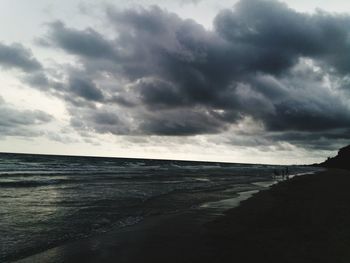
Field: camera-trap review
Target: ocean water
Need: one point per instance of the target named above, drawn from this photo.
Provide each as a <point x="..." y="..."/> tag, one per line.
<point x="49" y="200"/>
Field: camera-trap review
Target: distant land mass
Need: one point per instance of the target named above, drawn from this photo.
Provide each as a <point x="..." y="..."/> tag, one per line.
<point x="342" y="160"/>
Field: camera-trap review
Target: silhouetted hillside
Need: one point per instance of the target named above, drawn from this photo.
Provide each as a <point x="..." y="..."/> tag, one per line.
<point x="342" y="160"/>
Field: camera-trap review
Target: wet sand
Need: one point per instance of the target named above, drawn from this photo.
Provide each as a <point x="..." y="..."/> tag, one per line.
<point x="304" y="219"/>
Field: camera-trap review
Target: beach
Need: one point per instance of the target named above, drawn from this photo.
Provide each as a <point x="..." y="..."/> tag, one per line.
<point x="304" y="219"/>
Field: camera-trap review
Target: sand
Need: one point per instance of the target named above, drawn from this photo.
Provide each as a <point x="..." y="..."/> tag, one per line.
<point x="304" y="219"/>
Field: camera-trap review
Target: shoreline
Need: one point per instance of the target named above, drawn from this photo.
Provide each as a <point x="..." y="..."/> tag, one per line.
<point x="211" y="207"/>
<point x="199" y="234"/>
<point x="304" y="219"/>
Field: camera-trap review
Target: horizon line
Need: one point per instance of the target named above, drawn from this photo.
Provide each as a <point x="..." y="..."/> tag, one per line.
<point x="140" y="158"/>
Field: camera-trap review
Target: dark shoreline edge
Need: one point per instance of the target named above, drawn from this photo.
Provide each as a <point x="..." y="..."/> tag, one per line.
<point x="304" y="219"/>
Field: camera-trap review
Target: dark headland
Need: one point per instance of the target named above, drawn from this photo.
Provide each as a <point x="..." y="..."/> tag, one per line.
<point x="304" y="219"/>
<point x="342" y="160"/>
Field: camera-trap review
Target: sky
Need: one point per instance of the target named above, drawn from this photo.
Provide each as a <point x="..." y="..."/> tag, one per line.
<point x="252" y="81"/>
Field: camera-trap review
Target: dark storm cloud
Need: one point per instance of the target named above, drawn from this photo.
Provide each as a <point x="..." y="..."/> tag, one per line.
<point x="17" y="56"/>
<point x="309" y="116"/>
<point x="86" y="42"/>
<point x="14" y="122"/>
<point x="182" y="123"/>
<point x="157" y="73"/>
<point x="329" y="140"/>
<point x="158" y="44"/>
<point x="85" y="88"/>
<point x="278" y="35"/>
<point x="158" y="93"/>
<point x="299" y="101"/>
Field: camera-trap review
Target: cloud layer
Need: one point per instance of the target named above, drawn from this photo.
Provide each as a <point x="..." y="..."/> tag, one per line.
<point x="17" y="56"/>
<point x="159" y="74"/>
<point x="23" y="123"/>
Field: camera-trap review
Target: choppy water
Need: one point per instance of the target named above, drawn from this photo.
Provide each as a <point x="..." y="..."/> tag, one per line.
<point x="48" y="200"/>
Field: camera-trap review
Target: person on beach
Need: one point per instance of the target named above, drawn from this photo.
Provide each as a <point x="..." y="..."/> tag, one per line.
<point x="287" y="172"/>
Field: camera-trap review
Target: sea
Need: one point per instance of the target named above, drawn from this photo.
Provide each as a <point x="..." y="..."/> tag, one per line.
<point x="48" y="200"/>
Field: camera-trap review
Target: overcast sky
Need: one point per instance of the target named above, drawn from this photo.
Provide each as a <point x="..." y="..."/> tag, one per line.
<point x="239" y="81"/>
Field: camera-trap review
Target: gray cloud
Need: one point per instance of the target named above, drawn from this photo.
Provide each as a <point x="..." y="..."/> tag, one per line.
<point x="102" y="120"/>
<point x="159" y="74"/>
<point x="182" y="122"/>
<point x="330" y="140"/>
<point x="85" y="88"/>
<point x="17" y="56"/>
<point x="278" y="35"/>
<point x="88" y="42"/>
<point x="14" y="122"/>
